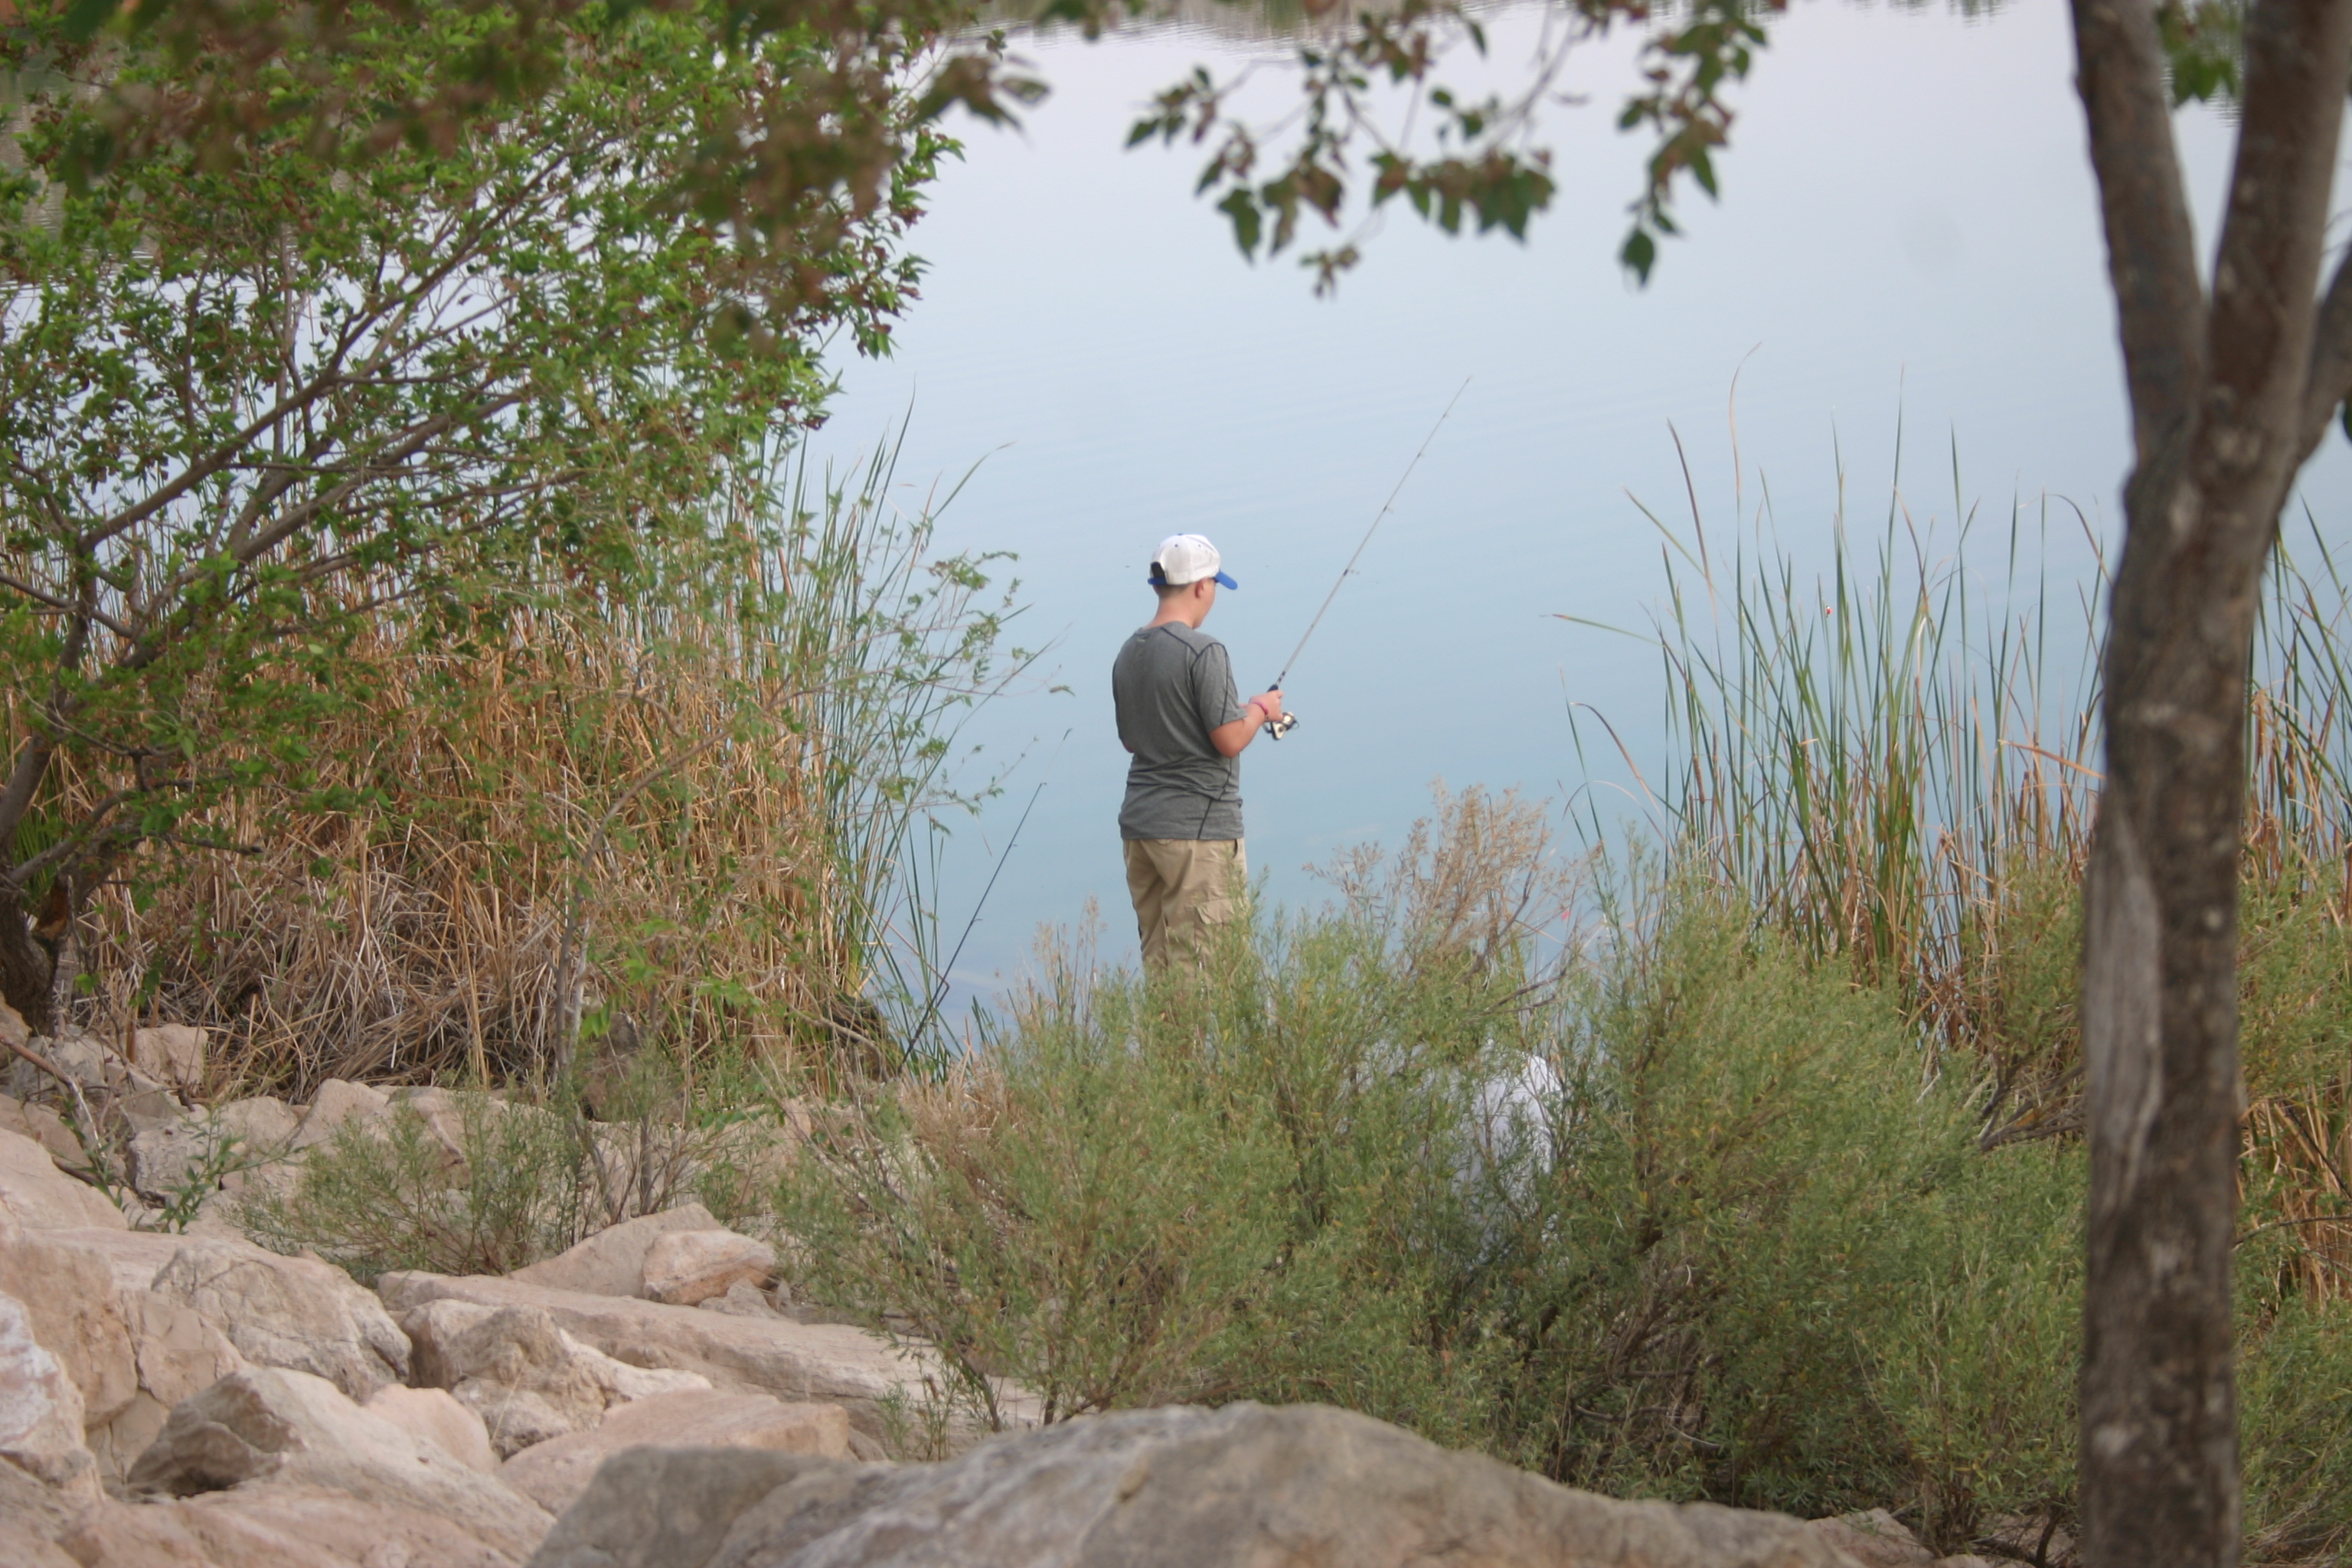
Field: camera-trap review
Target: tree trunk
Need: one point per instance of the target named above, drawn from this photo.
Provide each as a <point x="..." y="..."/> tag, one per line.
<point x="27" y="968"/>
<point x="2224" y="393"/>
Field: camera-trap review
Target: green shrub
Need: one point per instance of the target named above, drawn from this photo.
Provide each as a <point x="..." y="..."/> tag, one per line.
<point x="522" y="1182"/>
<point x="2295" y="1433"/>
<point x="1690" y="1217"/>
<point x="1761" y="1252"/>
<point x="1234" y="1185"/>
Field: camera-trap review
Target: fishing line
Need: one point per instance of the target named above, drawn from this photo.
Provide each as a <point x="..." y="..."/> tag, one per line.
<point x="1282" y="726"/>
<point x="939" y="992"/>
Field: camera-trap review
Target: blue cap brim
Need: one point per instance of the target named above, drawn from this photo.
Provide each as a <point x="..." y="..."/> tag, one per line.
<point x="1223" y="581"/>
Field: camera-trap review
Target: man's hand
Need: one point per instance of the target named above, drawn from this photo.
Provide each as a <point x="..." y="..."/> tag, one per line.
<point x="1259" y="712"/>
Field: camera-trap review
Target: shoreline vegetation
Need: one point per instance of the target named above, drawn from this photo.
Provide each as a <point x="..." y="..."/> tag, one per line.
<point x="1764" y="1188"/>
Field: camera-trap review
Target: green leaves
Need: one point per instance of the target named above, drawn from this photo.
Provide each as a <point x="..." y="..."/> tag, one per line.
<point x="1477" y="165"/>
<point x="249" y="400"/>
<point x="2204" y="48"/>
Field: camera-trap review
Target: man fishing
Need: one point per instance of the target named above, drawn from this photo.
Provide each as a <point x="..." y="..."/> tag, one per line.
<point x="1181" y="716"/>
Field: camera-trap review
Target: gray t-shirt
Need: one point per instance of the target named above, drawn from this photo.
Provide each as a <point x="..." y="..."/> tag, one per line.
<point x="1173" y="685"/>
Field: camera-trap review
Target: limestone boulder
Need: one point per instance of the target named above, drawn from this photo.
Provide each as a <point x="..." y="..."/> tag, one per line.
<point x="435" y="1415"/>
<point x="613" y="1261"/>
<point x="291" y="1428"/>
<point x="178" y="1354"/>
<point x="672" y="1508"/>
<point x="1874" y="1539"/>
<point x="39" y="1196"/>
<point x="32" y="1515"/>
<point x="444" y="1116"/>
<point x="40" y="1408"/>
<point x="797" y="1362"/>
<point x="276" y="1525"/>
<point x="337" y="1102"/>
<point x="166" y="1159"/>
<point x="744" y="1300"/>
<point x="30" y="1119"/>
<point x="171" y="1054"/>
<point x="511" y="1366"/>
<point x="263" y="1126"/>
<point x="687" y="1267"/>
<point x="131" y="1353"/>
<point x="72" y="1307"/>
<point x="555" y="1473"/>
<point x="527" y="1379"/>
<point x="1299" y="1487"/>
<point x="292" y="1312"/>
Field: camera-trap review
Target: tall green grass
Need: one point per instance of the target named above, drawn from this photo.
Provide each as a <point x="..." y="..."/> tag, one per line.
<point x="1895" y="763"/>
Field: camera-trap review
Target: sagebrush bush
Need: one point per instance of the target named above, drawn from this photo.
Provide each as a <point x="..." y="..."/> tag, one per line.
<point x="1236" y="1183"/>
<point x="1690" y="1217"/>
<point x="512" y="1181"/>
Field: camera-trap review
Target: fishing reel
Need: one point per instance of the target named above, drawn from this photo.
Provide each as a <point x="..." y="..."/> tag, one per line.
<point x="1275" y="729"/>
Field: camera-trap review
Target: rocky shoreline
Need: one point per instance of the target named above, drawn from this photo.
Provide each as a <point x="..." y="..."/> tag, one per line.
<point x="647" y="1398"/>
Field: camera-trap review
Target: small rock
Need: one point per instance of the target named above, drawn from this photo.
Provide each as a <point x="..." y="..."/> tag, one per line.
<point x="289" y="1428"/>
<point x="166" y="1158"/>
<point x="336" y="1102"/>
<point x="832" y="1363"/>
<point x="40" y="1409"/>
<point x="173" y="1053"/>
<point x="142" y="1108"/>
<point x="684" y="1267"/>
<point x="744" y="1300"/>
<point x="512" y="1366"/>
<point x="435" y="1415"/>
<point x="1874" y="1539"/>
<point x="555" y="1473"/>
<point x="527" y="1380"/>
<point x="613" y="1261"/>
<point x="75" y="1054"/>
<point x="263" y="1126"/>
<point x="292" y="1312"/>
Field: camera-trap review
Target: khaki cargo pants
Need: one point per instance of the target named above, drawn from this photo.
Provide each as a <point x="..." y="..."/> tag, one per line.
<point x="1180" y="888"/>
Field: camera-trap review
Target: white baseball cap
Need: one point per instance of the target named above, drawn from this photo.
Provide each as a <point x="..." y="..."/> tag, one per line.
<point x="1184" y="558"/>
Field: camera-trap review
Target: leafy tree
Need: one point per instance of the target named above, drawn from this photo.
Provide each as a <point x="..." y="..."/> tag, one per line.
<point x="2231" y="385"/>
<point x="246" y="401"/>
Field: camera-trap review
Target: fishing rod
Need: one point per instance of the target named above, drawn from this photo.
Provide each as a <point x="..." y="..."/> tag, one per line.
<point x="1279" y="727"/>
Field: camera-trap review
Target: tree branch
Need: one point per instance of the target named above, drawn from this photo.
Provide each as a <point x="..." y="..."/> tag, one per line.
<point x="2151" y="249"/>
<point x="64" y="607"/>
<point x="2260" y="350"/>
<point x="2331" y="358"/>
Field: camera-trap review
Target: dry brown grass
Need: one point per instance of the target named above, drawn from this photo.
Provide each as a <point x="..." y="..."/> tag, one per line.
<point x="706" y="776"/>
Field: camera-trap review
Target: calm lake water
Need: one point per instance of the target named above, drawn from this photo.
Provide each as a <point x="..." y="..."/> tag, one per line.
<point x="1908" y="232"/>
